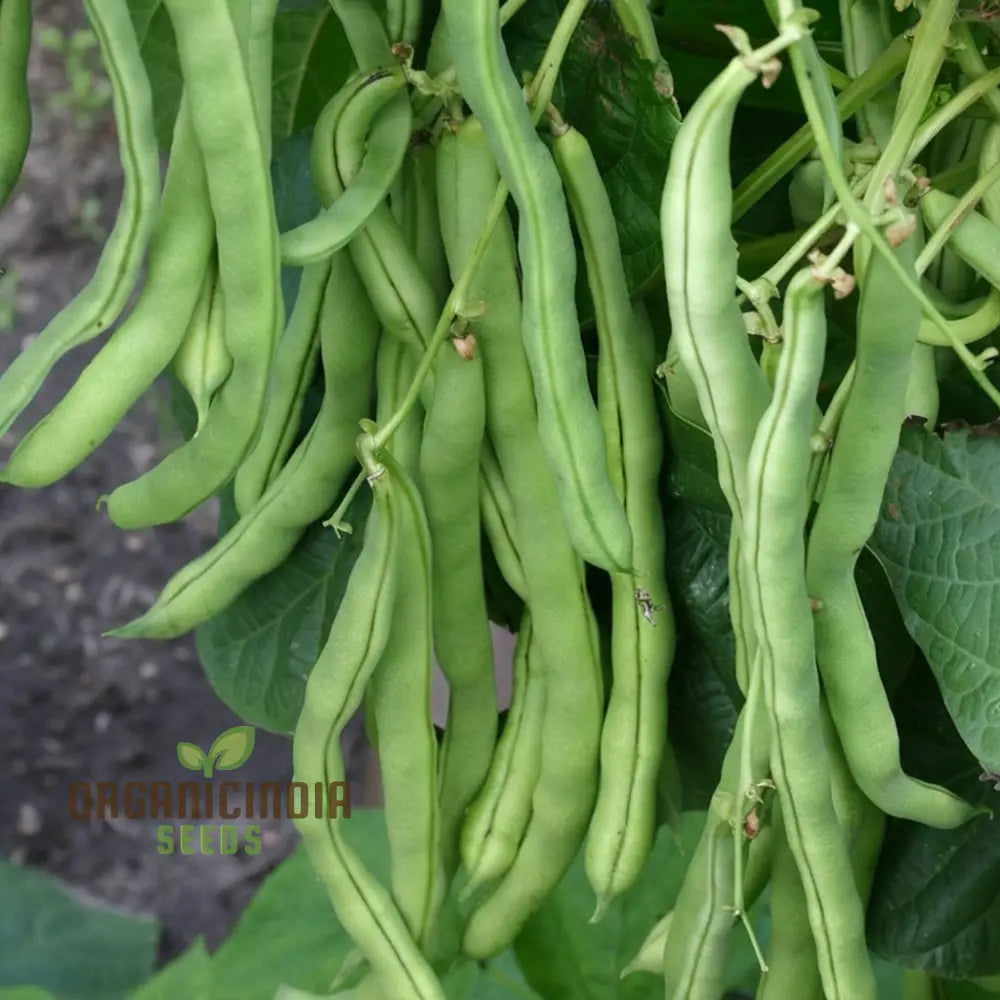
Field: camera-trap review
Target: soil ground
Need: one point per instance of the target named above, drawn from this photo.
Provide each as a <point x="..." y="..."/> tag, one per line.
<point x="74" y="706"/>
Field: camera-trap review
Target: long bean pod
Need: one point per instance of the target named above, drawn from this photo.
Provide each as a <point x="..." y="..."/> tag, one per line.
<point x="101" y="302"/>
<point x="568" y="420"/>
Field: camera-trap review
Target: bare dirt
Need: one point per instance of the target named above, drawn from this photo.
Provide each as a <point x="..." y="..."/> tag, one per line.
<point x="75" y="706"/>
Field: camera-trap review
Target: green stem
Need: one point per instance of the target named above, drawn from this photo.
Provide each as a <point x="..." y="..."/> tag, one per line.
<point x="966" y="204"/>
<point x="544" y="81"/>
<point x="960" y="103"/>
<point x="856" y="212"/>
<point x="453" y="307"/>
<point x="971" y="62"/>
<point x="922" y="68"/>
<point x="791" y="152"/>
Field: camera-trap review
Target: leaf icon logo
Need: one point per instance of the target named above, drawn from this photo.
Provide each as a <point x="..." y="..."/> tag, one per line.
<point x="228" y="751"/>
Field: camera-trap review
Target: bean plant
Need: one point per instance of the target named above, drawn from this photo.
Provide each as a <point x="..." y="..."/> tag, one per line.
<point x="665" y="344"/>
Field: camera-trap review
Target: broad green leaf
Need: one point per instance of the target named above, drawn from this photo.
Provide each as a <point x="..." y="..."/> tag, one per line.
<point x="288" y="933"/>
<point x="76" y="952"/>
<point x="311" y="61"/>
<point x="935" y="901"/>
<point x="937" y="537"/>
<point x="191" y="756"/>
<point x="158" y="46"/>
<point x="25" y="993"/>
<point x="258" y="653"/>
<point x="232" y="748"/>
<point x="188" y="976"/>
<point x="704" y="697"/>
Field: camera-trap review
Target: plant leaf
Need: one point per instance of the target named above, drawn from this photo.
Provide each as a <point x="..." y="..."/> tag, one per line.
<point x="937" y="538"/>
<point x="188" y="976"/>
<point x="191" y="756"/>
<point x="232" y="748"/>
<point x="56" y="943"/>
<point x="935" y="901"/>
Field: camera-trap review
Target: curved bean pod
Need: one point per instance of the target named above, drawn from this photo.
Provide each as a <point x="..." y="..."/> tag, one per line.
<point x="568" y="420"/>
<point x="976" y="239"/>
<point x="142" y="347"/>
<point x="642" y="631"/>
<point x="202" y="363"/>
<point x="562" y="619"/>
<point x="775" y="557"/>
<point x="371" y="110"/>
<point x="101" y="302"/>
<point x="496" y="820"/>
<point x="305" y="489"/>
<point x="224" y="118"/>
<point x="291" y="374"/>
<point x="499" y="521"/>
<point x="334" y="692"/>
<point x="857" y="470"/>
<point x="463" y="644"/>
<point x="968" y="329"/>
<point x="15" y="129"/>
<point x="399" y="693"/>
<point x="989" y="156"/>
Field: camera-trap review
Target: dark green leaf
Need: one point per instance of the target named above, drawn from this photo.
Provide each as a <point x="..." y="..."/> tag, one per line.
<point x="259" y="652"/>
<point x="937" y="537"/>
<point x="935" y="903"/>
<point x="76" y="952"/>
<point x="311" y="61"/>
<point x="563" y="955"/>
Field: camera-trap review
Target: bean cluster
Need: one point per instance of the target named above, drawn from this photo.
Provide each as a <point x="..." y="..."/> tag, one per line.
<point x="447" y="343"/>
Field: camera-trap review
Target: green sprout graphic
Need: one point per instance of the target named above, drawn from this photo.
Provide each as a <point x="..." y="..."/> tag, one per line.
<point x="228" y="751"/>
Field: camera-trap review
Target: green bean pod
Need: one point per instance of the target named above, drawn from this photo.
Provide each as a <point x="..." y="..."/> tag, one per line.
<point x="420" y="215"/>
<point x="980" y="323"/>
<point x="101" y="302"/>
<point x="202" y="363"/>
<point x="291" y="374"/>
<point x="562" y="619"/>
<point x="463" y="644"/>
<point x="495" y="822"/>
<point x="143" y="346"/>
<point x="642" y="632"/>
<point x="374" y="128"/>
<point x="499" y="521"/>
<point x="757" y="874"/>
<point x="400" y="693"/>
<point x="304" y="490"/>
<point x="224" y="118"/>
<point x="403" y="19"/>
<point x="696" y="950"/>
<point x="15" y="127"/>
<point x="989" y="156"/>
<point x="775" y="557"/>
<point x="923" y="398"/>
<point x="792" y="966"/>
<point x="976" y="239"/>
<point x="858" y="468"/>
<point x="336" y="685"/>
<point x="404" y="299"/>
<point x="708" y="330"/>
<point x="568" y="420"/>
